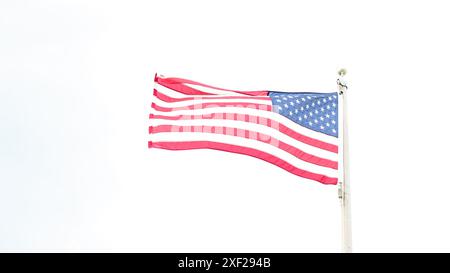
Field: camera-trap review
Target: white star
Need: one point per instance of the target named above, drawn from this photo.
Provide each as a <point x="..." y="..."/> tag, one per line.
<point x="328" y="116"/>
<point x="317" y="112"/>
<point x="303" y="99"/>
<point x="311" y="113"/>
<point x="305" y="116"/>
<point x="291" y="103"/>
<point x="334" y="131"/>
<point x="328" y="125"/>
<point x="307" y="106"/>
<point x="328" y="107"/>
<point x="321" y="127"/>
<point x="334" y="122"/>
<point x="321" y="118"/>
<point x="316" y="121"/>
<point x="333" y="113"/>
<point x="286" y="105"/>
<point x="300" y="118"/>
<point x="290" y="113"/>
<point x="310" y="123"/>
<point x="297" y="101"/>
<point x="279" y="100"/>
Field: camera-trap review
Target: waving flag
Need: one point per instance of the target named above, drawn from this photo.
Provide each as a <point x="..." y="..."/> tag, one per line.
<point x="296" y="131"/>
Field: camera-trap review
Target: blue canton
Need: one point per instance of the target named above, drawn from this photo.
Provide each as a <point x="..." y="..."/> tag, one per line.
<point x="316" y="111"/>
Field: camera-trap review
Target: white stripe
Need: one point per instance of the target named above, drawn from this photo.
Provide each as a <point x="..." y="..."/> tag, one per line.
<point x="171" y="93"/>
<point x="212" y="90"/>
<point x="186" y="103"/>
<point x="250" y="111"/>
<point x="239" y="141"/>
<point x="272" y="132"/>
<point x="174" y="94"/>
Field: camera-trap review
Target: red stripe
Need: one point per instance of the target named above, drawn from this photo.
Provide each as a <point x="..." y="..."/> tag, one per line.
<point x="307" y="157"/>
<point x="213" y="104"/>
<point x="187" y="145"/>
<point x="178" y="84"/>
<point x="257" y="120"/>
<point x="166" y="98"/>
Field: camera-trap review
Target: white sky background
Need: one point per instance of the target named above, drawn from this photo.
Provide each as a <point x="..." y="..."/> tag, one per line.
<point x="75" y="89"/>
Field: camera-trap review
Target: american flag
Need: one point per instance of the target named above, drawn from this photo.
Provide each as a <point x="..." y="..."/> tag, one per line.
<point x="296" y="131"/>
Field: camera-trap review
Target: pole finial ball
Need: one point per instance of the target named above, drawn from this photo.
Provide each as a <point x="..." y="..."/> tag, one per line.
<point x="342" y="72"/>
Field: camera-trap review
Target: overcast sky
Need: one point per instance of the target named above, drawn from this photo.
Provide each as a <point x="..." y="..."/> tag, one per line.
<point x="75" y="91"/>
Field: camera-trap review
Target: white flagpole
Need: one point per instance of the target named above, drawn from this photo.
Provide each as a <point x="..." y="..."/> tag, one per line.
<point x="344" y="185"/>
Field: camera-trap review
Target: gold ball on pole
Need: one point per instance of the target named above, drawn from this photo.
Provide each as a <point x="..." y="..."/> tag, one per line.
<point x="342" y="72"/>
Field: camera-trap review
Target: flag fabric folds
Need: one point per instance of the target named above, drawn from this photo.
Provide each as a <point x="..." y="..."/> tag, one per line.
<point x="296" y="131"/>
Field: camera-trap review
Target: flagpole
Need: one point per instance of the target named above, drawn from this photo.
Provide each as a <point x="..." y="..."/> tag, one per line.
<point x="344" y="185"/>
